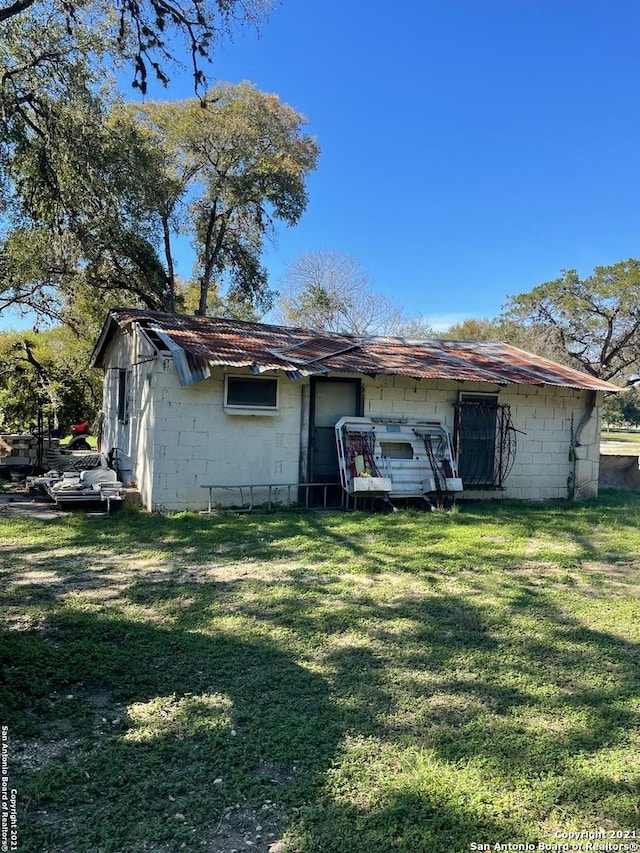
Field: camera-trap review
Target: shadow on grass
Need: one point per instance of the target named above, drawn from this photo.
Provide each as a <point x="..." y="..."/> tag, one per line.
<point x="144" y="720"/>
<point x="528" y="697"/>
<point x="524" y="704"/>
<point x="442" y="541"/>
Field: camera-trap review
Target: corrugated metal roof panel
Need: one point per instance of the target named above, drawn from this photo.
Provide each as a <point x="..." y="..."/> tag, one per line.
<point x="316" y="349"/>
<point x="208" y="342"/>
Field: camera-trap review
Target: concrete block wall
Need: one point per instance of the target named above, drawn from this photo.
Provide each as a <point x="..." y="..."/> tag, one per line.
<point x="178" y="440"/>
<point x="546" y="464"/>
<point x="543" y="441"/>
<point x="132" y="352"/>
<point x="544" y="416"/>
<point x="196" y="443"/>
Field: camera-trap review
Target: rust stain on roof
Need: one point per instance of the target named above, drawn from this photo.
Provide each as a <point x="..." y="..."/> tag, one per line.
<point x="317" y="349"/>
<point x="208" y="341"/>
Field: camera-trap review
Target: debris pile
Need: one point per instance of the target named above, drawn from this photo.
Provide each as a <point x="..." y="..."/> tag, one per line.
<point x="81" y="480"/>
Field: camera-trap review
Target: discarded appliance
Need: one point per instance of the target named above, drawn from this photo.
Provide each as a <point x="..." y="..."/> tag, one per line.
<point x="390" y="458"/>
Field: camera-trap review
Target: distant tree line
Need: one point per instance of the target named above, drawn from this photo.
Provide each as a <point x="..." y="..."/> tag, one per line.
<point x="591" y="324"/>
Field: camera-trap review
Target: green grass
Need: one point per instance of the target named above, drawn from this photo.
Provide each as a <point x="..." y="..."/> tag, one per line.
<point x="346" y="682"/>
<point x="620" y="441"/>
<point x="91" y="439"/>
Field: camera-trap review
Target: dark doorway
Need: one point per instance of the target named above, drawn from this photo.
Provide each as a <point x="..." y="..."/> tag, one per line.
<point x="331" y="399"/>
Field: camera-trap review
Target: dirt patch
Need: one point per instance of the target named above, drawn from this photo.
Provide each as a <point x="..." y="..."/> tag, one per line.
<point x="244" y="828"/>
<point x="592" y="579"/>
<point x="20" y="505"/>
<point x="616" y="579"/>
<point x="36" y="754"/>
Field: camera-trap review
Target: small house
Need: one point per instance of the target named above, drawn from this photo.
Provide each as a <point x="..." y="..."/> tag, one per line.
<point x="201" y="411"/>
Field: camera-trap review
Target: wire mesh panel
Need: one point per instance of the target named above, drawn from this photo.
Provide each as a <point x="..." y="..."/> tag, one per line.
<point x="485" y="443"/>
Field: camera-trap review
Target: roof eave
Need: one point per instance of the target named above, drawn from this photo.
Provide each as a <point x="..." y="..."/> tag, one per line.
<point x="110" y="326"/>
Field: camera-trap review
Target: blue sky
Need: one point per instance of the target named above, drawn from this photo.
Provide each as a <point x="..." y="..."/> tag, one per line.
<point x="471" y="149"/>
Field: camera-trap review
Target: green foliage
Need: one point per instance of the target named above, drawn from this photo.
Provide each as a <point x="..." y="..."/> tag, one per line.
<point x="319" y="307"/>
<point x="129" y="179"/>
<point x="233" y="304"/>
<point x="595" y="321"/>
<point x="622" y="409"/>
<point x="473" y="329"/>
<point x="532" y="337"/>
<point x="241" y="164"/>
<point x="148" y="36"/>
<point x="47" y="371"/>
<point x="330" y="291"/>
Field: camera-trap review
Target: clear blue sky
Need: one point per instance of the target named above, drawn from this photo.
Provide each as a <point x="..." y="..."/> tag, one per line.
<point x="471" y="149"/>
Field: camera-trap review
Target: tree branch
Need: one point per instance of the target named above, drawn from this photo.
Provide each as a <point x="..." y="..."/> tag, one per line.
<point x="14" y="9"/>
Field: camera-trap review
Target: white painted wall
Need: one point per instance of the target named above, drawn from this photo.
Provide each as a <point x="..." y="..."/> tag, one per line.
<point x="130" y="438"/>
<point x="196" y="443"/>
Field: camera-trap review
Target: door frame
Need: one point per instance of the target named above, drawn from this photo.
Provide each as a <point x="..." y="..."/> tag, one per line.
<point x="491" y="400"/>
<point x="315" y="381"/>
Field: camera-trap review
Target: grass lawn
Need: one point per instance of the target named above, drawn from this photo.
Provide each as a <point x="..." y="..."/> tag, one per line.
<point x="620" y="441"/>
<point x="350" y="683"/>
<point x="91" y="439"/>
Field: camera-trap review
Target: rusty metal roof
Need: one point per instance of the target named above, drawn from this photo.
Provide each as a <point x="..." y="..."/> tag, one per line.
<point x="199" y="343"/>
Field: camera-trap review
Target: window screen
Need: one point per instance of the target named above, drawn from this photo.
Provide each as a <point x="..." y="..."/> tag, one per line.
<point x="252" y="393"/>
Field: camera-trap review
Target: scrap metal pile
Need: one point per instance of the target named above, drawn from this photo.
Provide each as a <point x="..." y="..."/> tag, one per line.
<point x="80" y="479"/>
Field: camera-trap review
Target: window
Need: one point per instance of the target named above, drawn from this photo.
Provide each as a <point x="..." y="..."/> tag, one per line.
<point x="485" y="441"/>
<point x="123" y="395"/>
<point x="396" y="449"/>
<point x="247" y="392"/>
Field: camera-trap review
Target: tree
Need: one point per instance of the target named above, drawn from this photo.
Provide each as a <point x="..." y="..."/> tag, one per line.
<point x="90" y="228"/>
<point x="59" y="161"/>
<point x="46" y="372"/>
<point x="533" y="337"/>
<point x="56" y="53"/>
<point x="622" y="409"/>
<point x="412" y="327"/>
<point x="65" y="170"/>
<point x="594" y="321"/>
<point x="230" y="305"/>
<point x="129" y="179"/>
<point x="241" y="165"/>
<point x="146" y="35"/>
<point x="329" y="291"/>
<point x="473" y="329"/>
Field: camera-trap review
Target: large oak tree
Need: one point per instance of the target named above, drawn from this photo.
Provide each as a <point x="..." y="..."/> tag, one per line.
<point x="594" y="321"/>
<point x="130" y="180"/>
<point x="146" y="35"/>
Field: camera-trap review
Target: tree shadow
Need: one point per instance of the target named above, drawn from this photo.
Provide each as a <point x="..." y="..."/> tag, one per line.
<point x="161" y="734"/>
<point x="473" y="687"/>
<point x="439" y="673"/>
